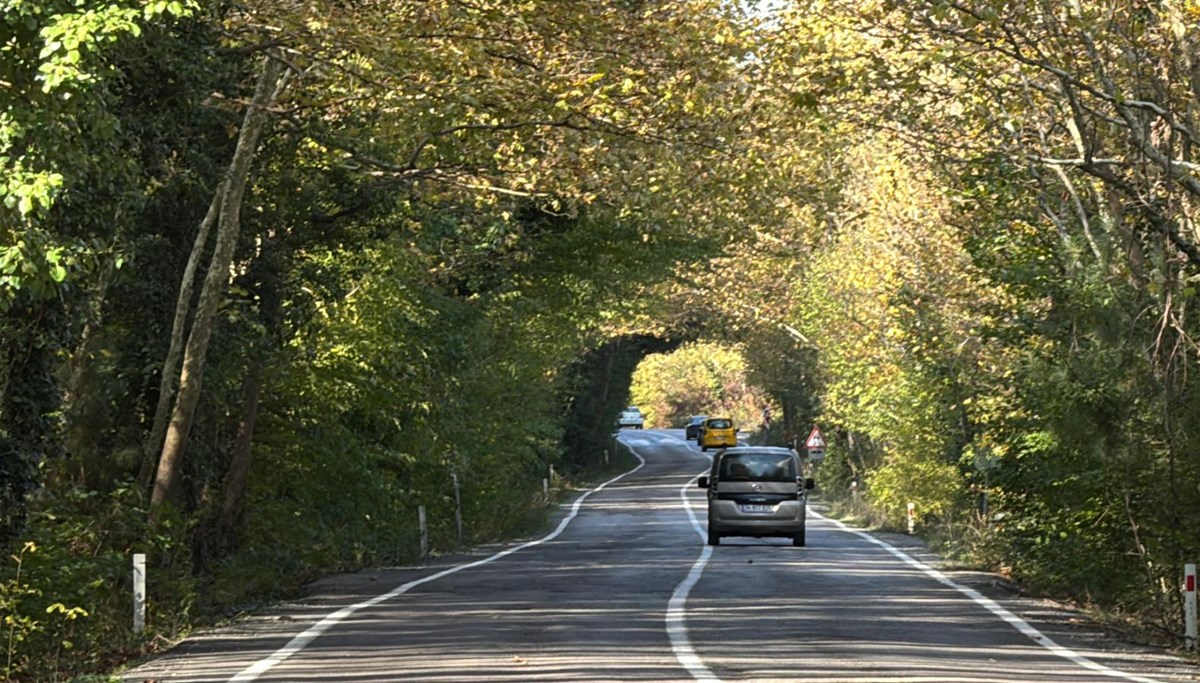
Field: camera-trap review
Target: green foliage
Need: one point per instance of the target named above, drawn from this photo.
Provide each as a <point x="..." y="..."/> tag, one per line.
<point x="934" y="488"/>
<point x="460" y="248"/>
<point x="54" y="121"/>
<point x="359" y="514"/>
<point x="595" y="389"/>
<point x="419" y="280"/>
<point x="68" y="596"/>
<point x="988" y="292"/>
<point x="787" y="373"/>
<point x="30" y="336"/>
<point x="17" y="627"/>
<point x="1098" y="466"/>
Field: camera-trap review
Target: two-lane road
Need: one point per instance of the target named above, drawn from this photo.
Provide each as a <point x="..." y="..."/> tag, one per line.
<point x="624" y="589"/>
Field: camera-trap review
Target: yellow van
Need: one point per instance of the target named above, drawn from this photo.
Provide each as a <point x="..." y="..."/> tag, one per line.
<point x="717" y="432"/>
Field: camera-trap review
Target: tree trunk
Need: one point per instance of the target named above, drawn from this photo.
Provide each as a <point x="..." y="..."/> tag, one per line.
<point x="234" y="489"/>
<point x="80" y="440"/>
<point x="169" y="378"/>
<point x="270" y="84"/>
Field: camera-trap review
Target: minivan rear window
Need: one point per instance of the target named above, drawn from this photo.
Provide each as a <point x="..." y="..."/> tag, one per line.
<point x="758" y="467"/>
<point x="720" y="424"/>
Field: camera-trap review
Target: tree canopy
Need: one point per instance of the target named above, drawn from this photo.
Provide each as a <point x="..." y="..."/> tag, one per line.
<point x="264" y="262"/>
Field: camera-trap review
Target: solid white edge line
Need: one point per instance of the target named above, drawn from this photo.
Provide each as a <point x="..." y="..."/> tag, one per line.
<point x="676" y="617"/>
<point x="300" y="641"/>
<point x="992" y="606"/>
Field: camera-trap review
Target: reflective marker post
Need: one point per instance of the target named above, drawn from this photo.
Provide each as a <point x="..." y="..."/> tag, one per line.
<point x="912" y="517"/>
<point x="423" y="529"/>
<point x="457" y="507"/>
<point x="1189" y="604"/>
<point x="139" y="592"/>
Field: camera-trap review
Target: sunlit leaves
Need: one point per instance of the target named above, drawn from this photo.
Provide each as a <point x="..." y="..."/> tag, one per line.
<point x="696" y="379"/>
<point x="51" y="72"/>
<point x="1008" y="270"/>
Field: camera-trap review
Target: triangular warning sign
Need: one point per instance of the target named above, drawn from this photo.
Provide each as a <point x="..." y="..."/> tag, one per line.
<point x="815" y="440"/>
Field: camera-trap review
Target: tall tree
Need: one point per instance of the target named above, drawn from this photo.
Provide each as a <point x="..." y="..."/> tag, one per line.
<point x="271" y="81"/>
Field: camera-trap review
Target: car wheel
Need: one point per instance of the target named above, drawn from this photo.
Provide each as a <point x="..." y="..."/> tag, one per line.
<point x="714" y="538"/>
<point x="798" y="539"/>
<point x="704" y="448"/>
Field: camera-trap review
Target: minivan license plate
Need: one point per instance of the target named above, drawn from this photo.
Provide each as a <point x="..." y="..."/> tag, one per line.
<point x="756" y="508"/>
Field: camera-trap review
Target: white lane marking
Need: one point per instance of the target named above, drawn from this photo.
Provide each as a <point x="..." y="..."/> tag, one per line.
<point x="993" y="607"/>
<point x="677" y="622"/>
<point x="300" y="641"/>
<point x="676" y="618"/>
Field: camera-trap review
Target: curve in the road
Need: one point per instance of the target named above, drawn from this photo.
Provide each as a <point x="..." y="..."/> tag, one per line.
<point x="300" y="641"/>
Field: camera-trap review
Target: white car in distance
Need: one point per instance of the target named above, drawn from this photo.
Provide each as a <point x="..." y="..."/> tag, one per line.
<point x="631" y="417"/>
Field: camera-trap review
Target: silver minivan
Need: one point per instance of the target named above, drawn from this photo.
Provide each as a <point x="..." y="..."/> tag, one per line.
<point x="756" y="491"/>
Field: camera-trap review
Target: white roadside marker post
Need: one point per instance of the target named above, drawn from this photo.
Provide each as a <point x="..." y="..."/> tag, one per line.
<point x="912" y="517"/>
<point x="1189" y="604"/>
<point x="139" y="592"/>
<point x="546" y="489"/>
<point x="423" y="529"/>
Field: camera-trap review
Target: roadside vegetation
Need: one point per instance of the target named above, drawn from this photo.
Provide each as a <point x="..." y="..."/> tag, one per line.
<point x="272" y="277"/>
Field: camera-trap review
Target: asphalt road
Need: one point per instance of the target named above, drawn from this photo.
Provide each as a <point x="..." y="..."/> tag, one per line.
<point x="624" y="589"/>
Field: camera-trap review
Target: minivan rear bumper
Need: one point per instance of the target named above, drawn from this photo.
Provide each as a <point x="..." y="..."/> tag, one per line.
<point x="726" y="519"/>
<point x="755" y="529"/>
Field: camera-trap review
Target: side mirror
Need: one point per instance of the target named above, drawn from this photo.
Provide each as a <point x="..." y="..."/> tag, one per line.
<point x="702" y="482"/>
<point x="810" y="484"/>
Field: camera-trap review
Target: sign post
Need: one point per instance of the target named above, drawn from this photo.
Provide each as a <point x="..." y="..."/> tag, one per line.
<point x="815" y="445"/>
<point x="985" y="461"/>
<point x="1189" y="604"/>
